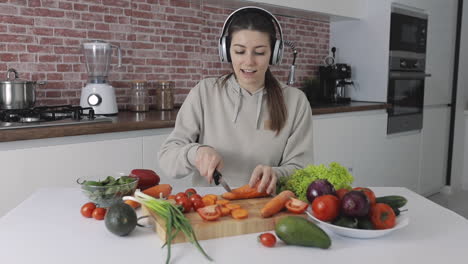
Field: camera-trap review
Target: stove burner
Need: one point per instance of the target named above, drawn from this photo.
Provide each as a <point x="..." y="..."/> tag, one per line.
<point x="46" y="113"/>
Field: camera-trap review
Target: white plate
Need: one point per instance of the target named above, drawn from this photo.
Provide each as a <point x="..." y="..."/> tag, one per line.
<point x="402" y="221"/>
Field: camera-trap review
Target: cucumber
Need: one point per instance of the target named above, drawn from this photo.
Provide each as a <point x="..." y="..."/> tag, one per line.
<point x="346" y="221"/>
<point x="295" y="230"/>
<point x="395" y="201"/>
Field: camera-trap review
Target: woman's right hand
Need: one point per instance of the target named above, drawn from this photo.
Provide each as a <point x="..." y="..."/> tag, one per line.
<point x="207" y="160"/>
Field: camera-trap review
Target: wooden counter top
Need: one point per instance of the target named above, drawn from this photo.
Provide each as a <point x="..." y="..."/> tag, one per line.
<point x="130" y="121"/>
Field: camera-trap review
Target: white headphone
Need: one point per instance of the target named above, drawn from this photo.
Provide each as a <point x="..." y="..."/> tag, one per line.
<point x="277" y="52"/>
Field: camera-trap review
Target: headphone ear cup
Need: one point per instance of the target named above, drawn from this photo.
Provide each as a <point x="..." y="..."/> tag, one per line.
<point x="277" y="54"/>
<point x="223" y="52"/>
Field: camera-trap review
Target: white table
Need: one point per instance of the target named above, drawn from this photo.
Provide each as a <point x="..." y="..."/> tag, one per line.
<point x="48" y="228"/>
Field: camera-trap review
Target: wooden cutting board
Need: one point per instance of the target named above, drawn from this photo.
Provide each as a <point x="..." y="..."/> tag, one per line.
<point x="224" y="226"/>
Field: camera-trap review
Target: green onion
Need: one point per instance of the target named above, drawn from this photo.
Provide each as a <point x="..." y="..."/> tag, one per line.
<point x="175" y="221"/>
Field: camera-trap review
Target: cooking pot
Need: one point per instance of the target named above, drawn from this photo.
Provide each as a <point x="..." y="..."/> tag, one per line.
<point x="16" y="93"/>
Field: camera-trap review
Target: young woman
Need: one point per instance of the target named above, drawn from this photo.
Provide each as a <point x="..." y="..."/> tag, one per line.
<point x="245" y="124"/>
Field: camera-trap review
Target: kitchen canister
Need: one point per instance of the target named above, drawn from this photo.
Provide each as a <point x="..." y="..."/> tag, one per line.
<point x="164" y="95"/>
<point x="139" y="97"/>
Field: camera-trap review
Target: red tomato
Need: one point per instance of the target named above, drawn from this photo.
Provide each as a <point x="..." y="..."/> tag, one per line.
<point x="368" y="192"/>
<point x="185" y="202"/>
<point x="99" y="213"/>
<point x="296" y="206"/>
<point x="189" y="192"/>
<point x="341" y="192"/>
<point x="210" y="212"/>
<point x="382" y="216"/>
<point x="197" y="204"/>
<point x="87" y="209"/>
<point x="194" y="197"/>
<point x="180" y="195"/>
<point x="326" y="207"/>
<point x="267" y="239"/>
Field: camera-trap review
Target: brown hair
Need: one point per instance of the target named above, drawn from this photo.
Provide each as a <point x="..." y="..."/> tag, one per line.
<point x="259" y="21"/>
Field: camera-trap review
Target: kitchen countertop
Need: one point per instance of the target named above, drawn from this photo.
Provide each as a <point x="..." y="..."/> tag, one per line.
<point x="48" y="228"/>
<point x="130" y="121"/>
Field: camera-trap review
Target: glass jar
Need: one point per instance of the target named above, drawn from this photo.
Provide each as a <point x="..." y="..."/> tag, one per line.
<point x="165" y="95"/>
<point x="139" y="97"/>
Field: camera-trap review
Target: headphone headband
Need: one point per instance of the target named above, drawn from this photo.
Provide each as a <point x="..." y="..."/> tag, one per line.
<point x="277" y="52"/>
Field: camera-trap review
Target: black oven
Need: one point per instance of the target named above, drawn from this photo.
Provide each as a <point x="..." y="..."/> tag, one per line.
<point x="408" y="30"/>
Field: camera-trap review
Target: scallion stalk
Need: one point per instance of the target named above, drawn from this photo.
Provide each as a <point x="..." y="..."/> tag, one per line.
<point x="175" y="221"/>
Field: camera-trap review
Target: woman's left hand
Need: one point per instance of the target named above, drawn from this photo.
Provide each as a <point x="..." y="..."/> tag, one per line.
<point x="267" y="177"/>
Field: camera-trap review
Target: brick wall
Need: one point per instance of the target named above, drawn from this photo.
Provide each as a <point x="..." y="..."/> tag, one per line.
<point x="160" y="40"/>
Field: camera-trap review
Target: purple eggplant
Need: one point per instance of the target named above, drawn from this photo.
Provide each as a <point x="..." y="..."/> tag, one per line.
<point x="318" y="188"/>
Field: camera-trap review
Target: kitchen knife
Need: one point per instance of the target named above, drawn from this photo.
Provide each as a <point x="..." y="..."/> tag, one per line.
<point x="218" y="179"/>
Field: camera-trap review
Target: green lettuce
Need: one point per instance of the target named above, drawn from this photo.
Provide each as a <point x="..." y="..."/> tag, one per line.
<point x="299" y="181"/>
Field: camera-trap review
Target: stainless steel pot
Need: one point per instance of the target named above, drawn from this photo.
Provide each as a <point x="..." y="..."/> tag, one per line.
<point x="16" y="93"/>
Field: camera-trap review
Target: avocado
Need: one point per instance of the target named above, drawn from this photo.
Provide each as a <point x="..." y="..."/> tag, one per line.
<point x="120" y="219"/>
<point x="295" y="230"/>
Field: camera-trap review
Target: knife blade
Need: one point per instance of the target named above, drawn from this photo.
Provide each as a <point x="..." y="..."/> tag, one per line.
<point x="218" y="179"/>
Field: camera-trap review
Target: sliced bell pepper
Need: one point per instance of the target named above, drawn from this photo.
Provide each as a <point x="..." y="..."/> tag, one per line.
<point x="296" y="206"/>
<point x="210" y="212"/>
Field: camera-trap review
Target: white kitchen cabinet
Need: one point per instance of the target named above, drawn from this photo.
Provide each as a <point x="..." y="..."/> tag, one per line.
<point x="336" y="9"/>
<point x="151" y="146"/>
<point x="48" y="163"/>
<point x="434" y="149"/>
<point x="359" y="142"/>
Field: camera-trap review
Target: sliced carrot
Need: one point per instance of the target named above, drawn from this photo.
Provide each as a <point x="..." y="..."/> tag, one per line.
<point x="232" y="206"/>
<point x="212" y="196"/>
<point x="222" y="202"/>
<point x="239" y="213"/>
<point x="276" y="204"/>
<point x="171" y="197"/>
<point x="163" y="190"/>
<point x="244" y="192"/>
<point x="225" y="211"/>
<point x="133" y="204"/>
<point x="208" y="201"/>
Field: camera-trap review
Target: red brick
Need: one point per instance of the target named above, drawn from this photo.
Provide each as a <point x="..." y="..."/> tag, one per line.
<point x="27" y="11"/>
<point x="69" y="33"/>
<point x="8" y="57"/>
<point x="98" y="9"/>
<point x="54" y="76"/>
<point x="50" y="58"/>
<point x="66" y="6"/>
<point x="84" y="25"/>
<point x="71" y="59"/>
<point x="53" y="22"/>
<point x="119" y="3"/>
<point x="51" y="41"/>
<point x="3" y="28"/>
<point x="16" y="38"/>
<point x="16" y="20"/>
<point x="72" y="15"/>
<point x="92" y="17"/>
<point x="80" y="7"/>
<point x="64" y="67"/>
<point x="9" y="10"/>
<point x="43" y="31"/>
<point x="99" y="35"/>
<point x="110" y="19"/>
<point x="102" y="26"/>
<point x="34" y="3"/>
<point x="40" y="49"/>
<point x="124" y="20"/>
<point x="16" y="29"/>
<point x="48" y="12"/>
<point x="16" y="47"/>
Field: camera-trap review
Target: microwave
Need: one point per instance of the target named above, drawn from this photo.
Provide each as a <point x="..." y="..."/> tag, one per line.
<point x="408" y="30"/>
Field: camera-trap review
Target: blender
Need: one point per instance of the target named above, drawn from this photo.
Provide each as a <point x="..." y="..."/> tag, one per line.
<point x="98" y="93"/>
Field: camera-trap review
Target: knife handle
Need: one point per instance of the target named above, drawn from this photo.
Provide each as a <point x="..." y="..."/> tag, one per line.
<point x="216" y="176"/>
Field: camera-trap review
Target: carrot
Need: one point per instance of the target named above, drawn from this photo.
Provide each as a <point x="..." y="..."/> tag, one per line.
<point x="244" y="192"/>
<point x="232" y="206"/>
<point x="212" y="196"/>
<point x="276" y="204"/>
<point x="208" y="200"/>
<point x="239" y="213"/>
<point x="156" y="191"/>
<point x="222" y="202"/>
<point x="133" y="204"/>
<point x="224" y="210"/>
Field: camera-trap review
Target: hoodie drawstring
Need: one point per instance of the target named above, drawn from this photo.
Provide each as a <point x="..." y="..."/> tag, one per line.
<point x="259" y="107"/>
<point x="237" y="104"/>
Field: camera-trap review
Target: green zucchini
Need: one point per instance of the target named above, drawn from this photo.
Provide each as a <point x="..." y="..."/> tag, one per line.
<point x="395" y="201"/>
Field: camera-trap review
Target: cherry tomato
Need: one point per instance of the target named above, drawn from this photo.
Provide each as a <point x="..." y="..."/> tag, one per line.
<point x="189" y="192"/>
<point x="382" y="216"/>
<point x="341" y="192"/>
<point x="185" y="202"/>
<point x="296" y="206"/>
<point x="368" y="192"/>
<point x="180" y="195"/>
<point x="194" y="197"/>
<point x="210" y="212"/>
<point x="197" y="204"/>
<point x="99" y="213"/>
<point x="87" y="209"/>
<point x="326" y="207"/>
<point x="267" y="239"/>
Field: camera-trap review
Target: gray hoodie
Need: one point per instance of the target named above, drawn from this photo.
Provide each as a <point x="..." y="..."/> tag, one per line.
<point x="235" y="123"/>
